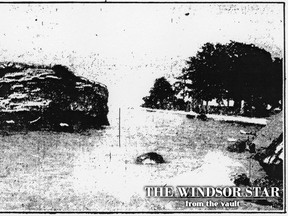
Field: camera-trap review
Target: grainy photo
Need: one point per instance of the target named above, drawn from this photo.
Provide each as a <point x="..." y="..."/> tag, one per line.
<point x="142" y="107"/>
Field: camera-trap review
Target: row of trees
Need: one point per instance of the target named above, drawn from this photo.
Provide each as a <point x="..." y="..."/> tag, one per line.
<point x="233" y="71"/>
<point x="162" y="95"/>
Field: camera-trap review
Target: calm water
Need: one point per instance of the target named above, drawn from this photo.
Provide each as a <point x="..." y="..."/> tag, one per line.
<point x="90" y="171"/>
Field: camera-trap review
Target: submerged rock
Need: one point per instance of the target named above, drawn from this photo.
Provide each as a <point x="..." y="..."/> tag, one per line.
<point x="242" y="180"/>
<point x="43" y="97"/>
<point x="150" y="158"/>
<point x="271" y="158"/>
<point x="239" y="146"/>
<point x="202" y="117"/>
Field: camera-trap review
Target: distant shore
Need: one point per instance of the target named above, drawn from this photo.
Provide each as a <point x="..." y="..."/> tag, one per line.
<point x="240" y="119"/>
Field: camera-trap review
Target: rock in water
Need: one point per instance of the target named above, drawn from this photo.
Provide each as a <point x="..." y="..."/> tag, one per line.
<point x="190" y="116"/>
<point x="43" y="97"/>
<point x="202" y="117"/>
<point x="150" y="158"/>
<point x="242" y="180"/>
<point x="239" y="146"/>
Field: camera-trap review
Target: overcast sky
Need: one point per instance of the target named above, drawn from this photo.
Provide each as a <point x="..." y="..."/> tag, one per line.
<point x="127" y="46"/>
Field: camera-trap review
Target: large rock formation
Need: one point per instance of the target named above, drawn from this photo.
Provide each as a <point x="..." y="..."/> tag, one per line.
<point x="42" y="97"/>
<point x="270" y="148"/>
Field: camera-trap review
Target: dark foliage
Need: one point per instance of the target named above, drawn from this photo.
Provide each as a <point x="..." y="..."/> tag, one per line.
<point x="161" y="95"/>
<point x="235" y="71"/>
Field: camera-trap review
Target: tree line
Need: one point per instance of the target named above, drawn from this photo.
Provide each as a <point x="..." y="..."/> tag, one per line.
<point x="238" y="72"/>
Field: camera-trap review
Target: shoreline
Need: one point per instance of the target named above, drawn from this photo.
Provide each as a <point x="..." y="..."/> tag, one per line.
<point x="226" y="118"/>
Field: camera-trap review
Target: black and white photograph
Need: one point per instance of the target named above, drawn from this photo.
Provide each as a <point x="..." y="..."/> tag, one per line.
<point x="142" y="107"/>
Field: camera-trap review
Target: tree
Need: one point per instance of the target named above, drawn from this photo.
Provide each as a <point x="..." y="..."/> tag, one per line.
<point x="275" y="81"/>
<point x="247" y="78"/>
<point x="205" y="73"/>
<point x="235" y="71"/>
<point x="161" y="95"/>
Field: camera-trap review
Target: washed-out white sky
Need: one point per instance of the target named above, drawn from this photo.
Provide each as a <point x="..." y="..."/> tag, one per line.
<point x="128" y="46"/>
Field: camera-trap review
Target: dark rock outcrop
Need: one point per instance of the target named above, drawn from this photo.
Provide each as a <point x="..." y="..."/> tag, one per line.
<point x="268" y="182"/>
<point x="53" y="98"/>
<point x="150" y="158"/>
<point x="269" y="147"/>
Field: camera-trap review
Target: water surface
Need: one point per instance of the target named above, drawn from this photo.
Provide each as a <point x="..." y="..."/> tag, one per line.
<point x="90" y="171"/>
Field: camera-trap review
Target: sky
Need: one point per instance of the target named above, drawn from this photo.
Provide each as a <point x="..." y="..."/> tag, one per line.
<point x="128" y="46"/>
